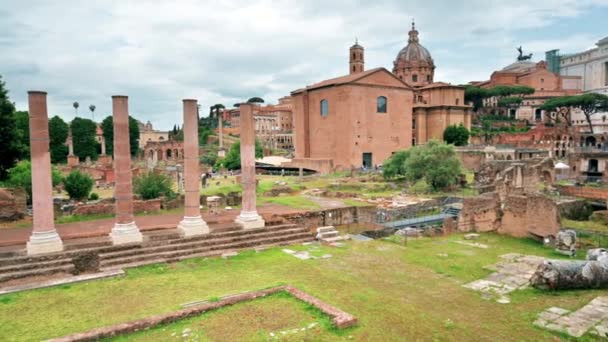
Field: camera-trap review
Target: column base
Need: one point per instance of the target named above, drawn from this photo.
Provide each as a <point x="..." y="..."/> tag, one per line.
<point x="193" y="226"/>
<point x="126" y="233"/>
<point x="250" y="220"/>
<point x="44" y="242"/>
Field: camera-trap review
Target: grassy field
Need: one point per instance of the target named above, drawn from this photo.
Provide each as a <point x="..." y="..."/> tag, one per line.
<point x="398" y="293"/>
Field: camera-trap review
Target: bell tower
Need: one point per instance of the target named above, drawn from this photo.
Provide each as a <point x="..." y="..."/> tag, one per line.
<point x="356" y="59"/>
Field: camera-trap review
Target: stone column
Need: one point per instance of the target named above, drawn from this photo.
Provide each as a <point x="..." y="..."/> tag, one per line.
<point x="125" y="230"/>
<point x="44" y="238"/>
<point x="73" y="160"/>
<point x="192" y="224"/>
<point x="249" y="217"/>
<point x="221" y="152"/>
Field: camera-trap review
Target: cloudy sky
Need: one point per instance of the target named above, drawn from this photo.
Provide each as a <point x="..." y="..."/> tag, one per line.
<point x="159" y="52"/>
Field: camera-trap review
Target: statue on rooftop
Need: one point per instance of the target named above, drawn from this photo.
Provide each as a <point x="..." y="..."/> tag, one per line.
<point x="521" y="56"/>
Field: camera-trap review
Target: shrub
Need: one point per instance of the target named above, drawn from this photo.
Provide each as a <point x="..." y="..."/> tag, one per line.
<point x="78" y="185"/>
<point x="456" y="135"/>
<point x="20" y="176"/>
<point x="151" y="185"/>
<point x="93" y="196"/>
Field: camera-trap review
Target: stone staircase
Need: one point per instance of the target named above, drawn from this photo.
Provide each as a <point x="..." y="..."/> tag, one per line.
<point x="158" y="246"/>
<point x="329" y="234"/>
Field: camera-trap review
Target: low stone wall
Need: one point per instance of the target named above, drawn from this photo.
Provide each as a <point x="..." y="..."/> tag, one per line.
<point x="319" y="165"/>
<point x="393" y="214"/>
<point x="333" y="217"/>
<point x="232" y="199"/>
<point x="13" y="204"/>
<point x="339" y="318"/>
<point x="583" y="191"/>
<point x="108" y="208"/>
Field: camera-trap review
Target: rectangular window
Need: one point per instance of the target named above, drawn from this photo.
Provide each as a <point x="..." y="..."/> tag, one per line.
<point x="413" y="141"/>
<point x="606" y="73"/>
<point x="324" y="108"/>
<point x="414" y="123"/>
<point x="414" y="78"/>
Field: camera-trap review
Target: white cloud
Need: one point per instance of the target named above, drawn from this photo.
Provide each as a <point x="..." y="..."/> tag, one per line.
<point x="159" y="52"/>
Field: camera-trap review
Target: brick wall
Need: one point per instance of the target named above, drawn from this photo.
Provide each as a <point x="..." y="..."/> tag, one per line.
<point x="584" y="192"/>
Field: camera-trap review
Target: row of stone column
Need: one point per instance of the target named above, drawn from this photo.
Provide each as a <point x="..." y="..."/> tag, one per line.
<point x="44" y="238"/>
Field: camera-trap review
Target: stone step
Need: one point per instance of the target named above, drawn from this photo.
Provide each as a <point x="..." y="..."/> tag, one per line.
<point x="235" y="233"/>
<point x="203" y="254"/>
<point x="326" y="229"/>
<point x="106" y="247"/>
<point x="176" y="255"/>
<point x="336" y="239"/>
<point x="326" y="235"/>
<point x="35" y="265"/>
<point x="197" y="243"/>
<point x="36" y="272"/>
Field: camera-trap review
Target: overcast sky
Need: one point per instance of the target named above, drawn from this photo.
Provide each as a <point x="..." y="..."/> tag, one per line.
<point x="159" y="52"/>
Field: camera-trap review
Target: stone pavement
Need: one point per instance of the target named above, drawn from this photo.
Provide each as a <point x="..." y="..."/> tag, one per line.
<point x="513" y="273"/>
<point x="592" y="316"/>
<point x="86" y="229"/>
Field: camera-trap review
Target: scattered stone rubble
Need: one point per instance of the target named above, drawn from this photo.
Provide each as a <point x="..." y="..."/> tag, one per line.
<point x="512" y="273"/>
<point x="592" y="318"/>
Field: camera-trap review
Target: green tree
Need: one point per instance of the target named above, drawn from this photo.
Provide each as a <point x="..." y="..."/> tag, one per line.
<point x="58" y="134"/>
<point x="152" y="185"/>
<point x="475" y="95"/>
<point x="20" y="176"/>
<point x="395" y="165"/>
<point x="78" y="185"/>
<point x="233" y="158"/>
<point x="435" y="162"/>
<point x="107" y="126"/>
<point x="22" y="122"/>
<point x="209" y="158"/>
<point x="8" y="133"/>
<point x="255" y="100"/>
<point x="84" y="132"/>
<point x="457" y="135"/>
<point x="589" y="104"/>
<point x="560" y="107"/>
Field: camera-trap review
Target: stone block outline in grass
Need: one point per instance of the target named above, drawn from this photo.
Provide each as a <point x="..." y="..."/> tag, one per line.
<point x="339" y="318"/>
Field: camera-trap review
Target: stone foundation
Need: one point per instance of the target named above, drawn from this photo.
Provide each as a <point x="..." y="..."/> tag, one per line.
<point x="340" y="319"/>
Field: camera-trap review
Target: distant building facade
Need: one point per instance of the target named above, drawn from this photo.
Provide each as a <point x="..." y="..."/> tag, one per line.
<point x="592" y="67"/>
<point x="273" y="123"/>
<point x="546" y="85"/>
<point x="147" y="133"/>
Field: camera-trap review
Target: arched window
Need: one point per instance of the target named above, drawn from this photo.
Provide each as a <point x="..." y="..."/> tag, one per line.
<point x="324" y="108"/>
<point x="381" y="104"/>
<point x="354" y="56"/>
<point x="414" y="78"/>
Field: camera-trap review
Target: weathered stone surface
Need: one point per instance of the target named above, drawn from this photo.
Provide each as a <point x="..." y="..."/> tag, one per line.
<point x="13" y="204"/>
<point x="579" y="322"/>
<point x="513" y="273"/>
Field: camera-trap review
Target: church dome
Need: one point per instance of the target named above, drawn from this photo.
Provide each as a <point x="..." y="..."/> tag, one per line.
<point x="414" y="51"/>
<point x="414" y="64"/>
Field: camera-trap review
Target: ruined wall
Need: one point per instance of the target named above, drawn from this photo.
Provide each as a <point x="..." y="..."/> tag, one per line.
<point x="529" y="214"/>
<point x="471" y="160"/>
<point x="333" y="217"/>
<point x="583" y="191"/>
<point x="480" y="214"/>
<point x="517" y="214"/>
<point x="108" y="208"/>
<point x="13" y="204"/>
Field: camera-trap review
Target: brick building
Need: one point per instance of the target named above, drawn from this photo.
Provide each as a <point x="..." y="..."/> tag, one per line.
<point x="546" y="85"/>
<point x="362" y="118"/>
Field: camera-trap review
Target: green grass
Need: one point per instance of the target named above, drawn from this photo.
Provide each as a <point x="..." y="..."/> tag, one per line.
<point x="80" y="218"/>
<point x="354" y="203"/>
<point x="398" y="293"/>
<point x="585" y="225"/>
<point x="292" y="201"/>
